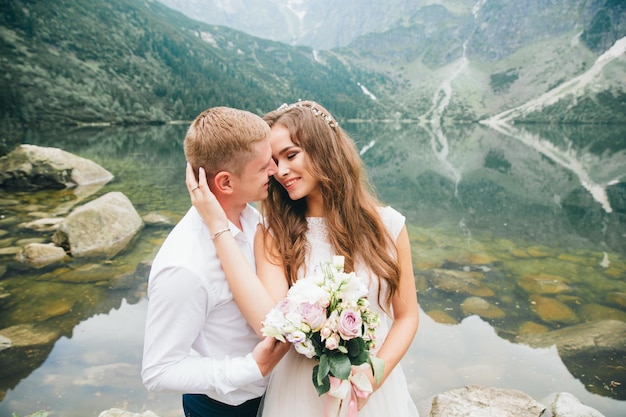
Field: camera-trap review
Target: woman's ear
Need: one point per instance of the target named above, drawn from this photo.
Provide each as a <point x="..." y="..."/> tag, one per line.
<point x="223" y="182"/>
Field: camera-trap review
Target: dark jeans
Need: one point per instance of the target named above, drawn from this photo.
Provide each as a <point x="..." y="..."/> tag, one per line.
<point x="198" y="405"/>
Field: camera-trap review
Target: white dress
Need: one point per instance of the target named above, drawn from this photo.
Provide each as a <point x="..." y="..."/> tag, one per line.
<point x="291" y="391"/>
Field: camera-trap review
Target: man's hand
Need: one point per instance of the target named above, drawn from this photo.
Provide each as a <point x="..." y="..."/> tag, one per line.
<point x="205" y="201"/>
<point x="268" y="353"/>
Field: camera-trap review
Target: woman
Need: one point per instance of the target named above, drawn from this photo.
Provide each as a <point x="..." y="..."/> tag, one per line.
<point x="319" y="205"/>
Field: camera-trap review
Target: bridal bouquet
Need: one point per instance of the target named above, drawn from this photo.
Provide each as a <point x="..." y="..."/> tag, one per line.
<point x="327" y="317"/>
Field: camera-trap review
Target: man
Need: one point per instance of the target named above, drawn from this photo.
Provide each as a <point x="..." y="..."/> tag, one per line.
<point x="196" y="341"/>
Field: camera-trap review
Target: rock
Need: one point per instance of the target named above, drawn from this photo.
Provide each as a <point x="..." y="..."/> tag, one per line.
<point x="116" y="412"/>
<point x="601" y="344"/>
<point x="484" y="401"/>
<point x="43" y="225"/>
<point x="606" y="335"/>
<point x="40" y="255"/>
<point x="617" y="298"/>
<point x="482" y="308"/>
<point x="463" y="282"/>
<point x="530" y="327"/>
<point x="591" y="312"/>
<point x="27" y="335"/>
<point x="36" y="167"/>
<point x="11" y="250"/>
<point x="5" y="342"/>
<point x="442" y="317"/>
<point x="102" y="227"/>
<point x="543" y="284"/>
<point x="552" y="311"/>
<point x="536" y="252"/>
<point x="159" y="219"/>
<point x="564" y="404"/>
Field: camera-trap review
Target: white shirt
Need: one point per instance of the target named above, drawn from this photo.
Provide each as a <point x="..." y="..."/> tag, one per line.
<point x="196" y="339"/>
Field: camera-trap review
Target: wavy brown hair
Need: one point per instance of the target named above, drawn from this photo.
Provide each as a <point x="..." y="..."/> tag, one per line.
<point x="355" y="228"/>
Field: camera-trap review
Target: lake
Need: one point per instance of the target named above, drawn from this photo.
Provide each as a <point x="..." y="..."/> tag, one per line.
<point x="492" y="216"/>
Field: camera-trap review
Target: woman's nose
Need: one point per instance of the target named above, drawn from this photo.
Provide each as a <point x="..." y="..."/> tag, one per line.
<point x="283" y="169"/>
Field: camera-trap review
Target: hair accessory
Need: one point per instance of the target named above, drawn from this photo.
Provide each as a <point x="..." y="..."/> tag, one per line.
<point x="317" y="112"/>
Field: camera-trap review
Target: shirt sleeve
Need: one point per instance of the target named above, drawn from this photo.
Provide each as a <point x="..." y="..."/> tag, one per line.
<point x="177" y="308"/>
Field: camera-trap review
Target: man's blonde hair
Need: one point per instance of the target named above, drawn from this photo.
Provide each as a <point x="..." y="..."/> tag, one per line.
<point x="223" y="139"/>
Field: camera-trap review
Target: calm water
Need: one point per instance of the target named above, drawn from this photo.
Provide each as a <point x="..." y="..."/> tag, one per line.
<point x="492" y="209"/>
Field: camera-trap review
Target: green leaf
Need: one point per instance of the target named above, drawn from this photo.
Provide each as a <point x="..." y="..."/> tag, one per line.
<point x="378" y="367"/>
<point x="322" y="369"/>
<point x="319" y="345"/>
<point x="355" y="346"/>
<point x="340" y="366"/>
<point x="322" y="386"/>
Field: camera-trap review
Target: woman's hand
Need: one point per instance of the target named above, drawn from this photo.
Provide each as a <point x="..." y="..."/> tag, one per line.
<point x="366" y="371"/>
<point x="205" y="201"/>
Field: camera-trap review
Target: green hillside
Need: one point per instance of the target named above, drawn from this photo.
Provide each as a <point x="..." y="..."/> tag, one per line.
<point x="128" y="62"/>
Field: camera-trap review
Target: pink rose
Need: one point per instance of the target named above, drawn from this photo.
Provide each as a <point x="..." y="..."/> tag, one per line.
<point x="313" y="315"/>
<point x="332" y="342"/>
<point x="350" y="324"/>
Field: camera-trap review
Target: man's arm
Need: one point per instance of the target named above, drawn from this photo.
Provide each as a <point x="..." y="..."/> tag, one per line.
<point x="176" y="313"/>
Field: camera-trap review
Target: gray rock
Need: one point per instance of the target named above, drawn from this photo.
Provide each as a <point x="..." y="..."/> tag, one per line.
<point x="40" y="255"/>
<point x="604" y="335"/>
<point x="102" y="227"/>
<point x="36" y="167"/>
<point x="159" y="219"/>
<point x="27" y="335"/>
<point x="485" y="402"/>
<point x="564" y="404"/>
<point x="43" y="225"/>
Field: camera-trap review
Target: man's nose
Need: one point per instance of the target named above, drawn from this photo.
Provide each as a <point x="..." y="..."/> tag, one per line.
<point x="272" y="169"/>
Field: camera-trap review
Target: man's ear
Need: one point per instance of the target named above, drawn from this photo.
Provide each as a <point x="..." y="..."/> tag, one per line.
<point x="223" y="182"/>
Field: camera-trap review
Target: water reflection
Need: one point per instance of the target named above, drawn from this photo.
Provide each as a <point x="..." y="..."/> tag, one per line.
<point x="483" y="206"/>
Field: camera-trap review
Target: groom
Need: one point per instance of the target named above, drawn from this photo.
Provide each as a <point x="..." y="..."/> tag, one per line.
<point x="196" y="340"/>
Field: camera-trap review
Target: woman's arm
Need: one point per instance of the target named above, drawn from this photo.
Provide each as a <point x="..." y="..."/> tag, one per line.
<point x="405" y="312"/>
<point x="254" y="297"/>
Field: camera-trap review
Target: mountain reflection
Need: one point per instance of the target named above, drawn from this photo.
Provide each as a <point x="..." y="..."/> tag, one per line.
<point x="487" y="209"/>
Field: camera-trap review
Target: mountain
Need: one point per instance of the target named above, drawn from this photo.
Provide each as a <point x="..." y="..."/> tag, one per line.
<point x="487" y="56"/>
<point x="437" y="62"/>
<point x="320" y="24"/>
<point x="130" y="61"/>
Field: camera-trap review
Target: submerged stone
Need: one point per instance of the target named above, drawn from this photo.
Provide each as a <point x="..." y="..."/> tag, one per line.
<point x="617" y="298"/>
<point x="530" y="327"/>
<point x="442" y="317"/>
<point x="552" y="311"/>
<point x="482" y="308"/>
<point x="590" y="312"/>
<point x="536" y="252"/>
<point x="543" y="284"/>
<point x="55" y="309"/>
<point x="463" y="282"/>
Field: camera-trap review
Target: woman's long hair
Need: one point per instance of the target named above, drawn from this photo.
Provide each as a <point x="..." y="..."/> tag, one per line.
<point x="355" y="228"/>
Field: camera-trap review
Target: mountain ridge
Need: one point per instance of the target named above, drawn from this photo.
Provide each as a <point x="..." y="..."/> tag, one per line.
<point x="76" y="62"/>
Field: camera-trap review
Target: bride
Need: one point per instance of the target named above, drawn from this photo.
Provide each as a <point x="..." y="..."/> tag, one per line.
<point x="319" y="205"/>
